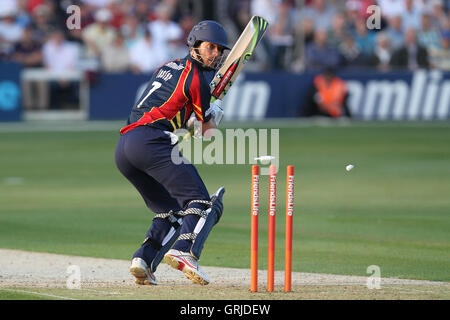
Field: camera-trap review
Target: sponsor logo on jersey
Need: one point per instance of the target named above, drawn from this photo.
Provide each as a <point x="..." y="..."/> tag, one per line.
<point x="174" y="65"/>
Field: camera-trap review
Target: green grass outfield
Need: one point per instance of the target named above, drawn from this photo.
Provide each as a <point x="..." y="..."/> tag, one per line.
<point x="60" y="192"/>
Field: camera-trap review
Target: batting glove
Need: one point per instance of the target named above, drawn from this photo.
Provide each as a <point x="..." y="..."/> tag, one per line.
<point x="194" y="127"/>
<point x="216" y="110"/>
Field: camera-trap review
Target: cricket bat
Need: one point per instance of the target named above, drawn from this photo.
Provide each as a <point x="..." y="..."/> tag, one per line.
<point x="237" y="58"/>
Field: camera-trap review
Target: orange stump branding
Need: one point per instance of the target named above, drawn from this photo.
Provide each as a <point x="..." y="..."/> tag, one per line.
<point x="254" y="229"/>
<point x="272" y="211"/>
<point x="271" y="229"/>
<point x="289" y="216"/>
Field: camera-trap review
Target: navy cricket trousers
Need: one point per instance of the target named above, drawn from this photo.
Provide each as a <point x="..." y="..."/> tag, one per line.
<point x="144" y="156"/>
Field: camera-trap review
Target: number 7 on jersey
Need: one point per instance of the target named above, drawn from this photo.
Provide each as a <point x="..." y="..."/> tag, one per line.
<point x="155" y="85"/>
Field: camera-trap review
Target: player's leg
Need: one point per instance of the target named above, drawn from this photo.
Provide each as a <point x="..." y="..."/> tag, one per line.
<point x="184" y="256"/>
<point x="160" y="237"/>
<point x="163" y="232"/>
<point x="165" y="227"/>
<point x="183" y="183"/>
<point x="150" y="150"/>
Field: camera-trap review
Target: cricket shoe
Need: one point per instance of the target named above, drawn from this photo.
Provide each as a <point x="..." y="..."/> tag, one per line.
<point x="142" y="273"/>
<point x="186" y="263"/>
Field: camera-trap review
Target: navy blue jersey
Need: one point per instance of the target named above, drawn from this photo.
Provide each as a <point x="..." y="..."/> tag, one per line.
<point x="175" y="90"/>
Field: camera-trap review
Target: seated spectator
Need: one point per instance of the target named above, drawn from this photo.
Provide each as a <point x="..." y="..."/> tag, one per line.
<point x="357" y="9"/>
<point x="146" y="55"/>
<point x="338" y="30"/>
<point x="381" y="57"/>
<point x="56" y="11"/>
<point x="115" y="57"/>
<point x="8" y="6"/>
<point x="411" y="55"/>
<point x="306" y="28"/>
<point x="395" y="31"/>
<point x="390" y="8"/>
<point x="163" y="28"/>
<point x="428" y="36"/>
<point x="176" y="48"/>
<point x="304" y="35"/>
<point x="27" y="52"/>
<point x="60" y="55"/>
<point x="23" y="17"/>
<point x="142" y="11"/>
<point x="423" y="5"/>
<point x="187" y="22"/>
<point x="132" y="30"/>
<point x="117" y="10"/>
<point x="42" y="23"/>
<point x="87" y="14"/>
<point x="263" y="8"/>
<point x="321" y="12"/>
<point x="280" y="35"/>
<point x="10" y="31"/>
<point x="364" y="38"/>
<point x="327" y="97"/>
<point x="440" y="57"/>
<point x="351" y="55"/>
<point x="411" y="16"/>
<point x="319" y="53"/>
<point x="99" y="34"/>
<point x="439" y="17"/>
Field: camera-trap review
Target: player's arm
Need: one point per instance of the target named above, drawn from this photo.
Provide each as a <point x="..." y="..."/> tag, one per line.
<point x="214" y="115"/>
<point x="203" y="108"/>
<point x="208" y="128"/>
<point x="198" y="92"/>
<point x="216" y="111"/>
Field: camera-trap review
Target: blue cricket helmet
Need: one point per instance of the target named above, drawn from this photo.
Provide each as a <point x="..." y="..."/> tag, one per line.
<point x="210" y="31"/>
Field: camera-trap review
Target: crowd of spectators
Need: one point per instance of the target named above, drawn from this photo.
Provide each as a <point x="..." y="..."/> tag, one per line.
<point x="139" y="35"/>
<point x="410" y="34"/>
<point x="111" y="35"/>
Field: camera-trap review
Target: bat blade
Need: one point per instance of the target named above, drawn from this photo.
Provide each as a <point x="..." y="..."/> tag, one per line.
<point x="238" y="56"/>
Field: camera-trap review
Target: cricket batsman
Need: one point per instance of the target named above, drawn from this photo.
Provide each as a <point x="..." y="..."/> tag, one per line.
<point x="184" y="211"/>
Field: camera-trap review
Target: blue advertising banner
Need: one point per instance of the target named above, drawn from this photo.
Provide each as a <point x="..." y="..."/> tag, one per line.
<point x="10" y="102"/>
<point x="112" y="96"/>
<point x="421" y="95"/>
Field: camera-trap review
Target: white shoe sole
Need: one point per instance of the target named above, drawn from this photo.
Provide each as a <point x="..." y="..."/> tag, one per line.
<point x="141" y="276"/>
<point x="188" y="273"/>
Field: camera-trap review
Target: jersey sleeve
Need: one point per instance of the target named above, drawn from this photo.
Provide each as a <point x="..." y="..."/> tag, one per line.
<point x="200" y="96"/>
